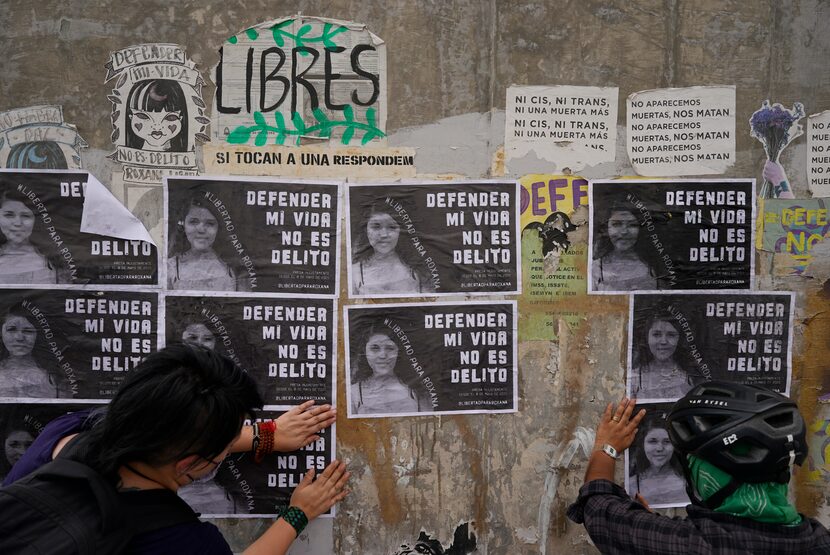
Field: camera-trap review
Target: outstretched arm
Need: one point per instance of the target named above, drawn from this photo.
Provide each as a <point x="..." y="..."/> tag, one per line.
<point x="296" y="428"/>
<point x="313" y="498"/>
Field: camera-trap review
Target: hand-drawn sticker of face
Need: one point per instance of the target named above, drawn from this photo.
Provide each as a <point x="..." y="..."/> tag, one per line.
<point x="37" y="155"/>
<point x="157" y="116"/>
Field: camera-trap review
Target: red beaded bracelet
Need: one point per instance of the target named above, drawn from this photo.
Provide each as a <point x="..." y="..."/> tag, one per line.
<point x="266" y="440"/>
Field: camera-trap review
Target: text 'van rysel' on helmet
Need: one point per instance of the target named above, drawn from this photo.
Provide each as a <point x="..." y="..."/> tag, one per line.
<point x="749" y="432"/>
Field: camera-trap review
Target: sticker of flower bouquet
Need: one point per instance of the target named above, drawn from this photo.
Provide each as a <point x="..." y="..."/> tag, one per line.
<point x="776" y="127"/>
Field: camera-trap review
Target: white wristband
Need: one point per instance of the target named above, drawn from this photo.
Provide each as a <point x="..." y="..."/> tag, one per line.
<point x="610" y="451"/>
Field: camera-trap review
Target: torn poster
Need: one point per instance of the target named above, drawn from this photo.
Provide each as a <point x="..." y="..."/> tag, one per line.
<point x="310" y="161"/>
<point x="20" y="424"/>
<point x="545" y="197"/>
<point x="300" y="80"/>
<point x="553" y="268"/>
<point x="572" y="127"/>
<point x="38" y="138"/>
<point x="429" y="239"/>
<point x="775" y="127"/>
<point x="248" y="234"/>
<point x="794" y="227"/>
<point x="157" y="111"/>
<point x="79" y="344"/>
<point x="437" y="358"/>
<point x="287" y="344"/>
<point x="818" y="154"/>
<point x="671" y="234"/>
<point x="653" y="468"/>
<point x="243" y="488"/>
<point x="689" y="131"/>
<point x="48" y="237"/>
<point x="677" y="340"/>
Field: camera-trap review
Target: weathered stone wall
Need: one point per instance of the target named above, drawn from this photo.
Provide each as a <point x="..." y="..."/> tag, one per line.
<point x="449" y="64"/>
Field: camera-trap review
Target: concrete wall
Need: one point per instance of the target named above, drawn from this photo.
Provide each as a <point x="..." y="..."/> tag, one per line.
<point x="449" y="63"/>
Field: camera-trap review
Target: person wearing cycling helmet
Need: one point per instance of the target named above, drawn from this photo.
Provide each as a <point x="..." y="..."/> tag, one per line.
<point x="738" y="443"/>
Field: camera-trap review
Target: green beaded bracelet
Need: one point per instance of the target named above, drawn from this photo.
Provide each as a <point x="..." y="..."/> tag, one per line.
<point x="296" y="518"/>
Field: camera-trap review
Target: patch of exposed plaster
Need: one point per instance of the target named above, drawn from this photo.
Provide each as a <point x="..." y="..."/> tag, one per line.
<point x="562" y="456"/>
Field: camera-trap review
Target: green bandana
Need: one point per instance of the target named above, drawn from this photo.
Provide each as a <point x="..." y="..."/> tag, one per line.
<point x="764" y="502"/>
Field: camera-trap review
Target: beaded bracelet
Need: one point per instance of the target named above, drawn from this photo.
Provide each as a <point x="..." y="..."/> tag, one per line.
<point x="296" y="518"/>
<point x="266" y="440"/>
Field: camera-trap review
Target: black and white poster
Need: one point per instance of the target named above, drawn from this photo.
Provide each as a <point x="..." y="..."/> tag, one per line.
<point x="437" y="358"/>
<point x="287" y="344"/>
<point x="21" y="423"/>
<point x="432" y="239"/>
<point x="653" y="468"/>
<point x="72" y="343"/>
<point x="41" y="242"/>
<point x="244" y="488"/>
<point x="252" y="235"/>
<point x="677" y="340"/>
<point x="671" y="234"/>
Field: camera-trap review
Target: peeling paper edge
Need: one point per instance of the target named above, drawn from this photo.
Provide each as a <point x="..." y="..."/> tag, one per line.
<point x="674" y="89"/>
<point x="105" y="215"/>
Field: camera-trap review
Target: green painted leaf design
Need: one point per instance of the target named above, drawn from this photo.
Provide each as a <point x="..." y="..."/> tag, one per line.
<point x="240" y="135"/>
<point x="299" y="124"/>
<point x="252" y="33"/>
<point x="347" y="135"/>
<point x="370" y="117"/>
<point x="348" y="112"/>
<point x="261" y="138"/>
<point x="259" y="119"/>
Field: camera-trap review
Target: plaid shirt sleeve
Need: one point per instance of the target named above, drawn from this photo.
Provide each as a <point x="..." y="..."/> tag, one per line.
<point x="619" y="525"/>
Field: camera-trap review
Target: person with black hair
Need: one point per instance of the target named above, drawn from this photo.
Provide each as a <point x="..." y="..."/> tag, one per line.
<point x="379" y="379"/>
<point x="171" y="423"/>
<point x="22" y="258"/>
<point x="621" y="261"/>
<point x="661" y="361"/>
<point x="737" y="444"/>
<point x="656" y="472"/>
<point x="382" y="264"/>
<point x="196" y="261"/>
<point x="22" y="373"/>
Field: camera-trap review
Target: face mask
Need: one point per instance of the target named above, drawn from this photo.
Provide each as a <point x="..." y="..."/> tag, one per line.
<point x="207" y="477"/>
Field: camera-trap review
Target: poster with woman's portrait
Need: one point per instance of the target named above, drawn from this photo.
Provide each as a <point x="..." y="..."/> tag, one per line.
<point x="72" y="343"/>
<point x="671" y="234"/>
<point x="243" y="488"/>
<point x="21" y="423"/>
<point x="41" y="242"/>
<point x="287" y="344"/>
<point x="653" y="468"/>
<point x="425" y="359"/>
<point x="678" y="340"/>
<point x="433" y="239"/>
<point x="252" y="235"/>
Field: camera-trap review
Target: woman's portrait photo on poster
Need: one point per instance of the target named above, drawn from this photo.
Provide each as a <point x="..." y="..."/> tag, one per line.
<point x="661" y="364"/>
<point x="623" y="259"/>
<point x="199" y="254"/>
<point x="654" y="469"/>
<point x="25" y="360"/>
<point x="26" y="254"/>
<point x="157" y="116"/>
<point x="381" y="380"/>
<point x="384" y="263"/>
